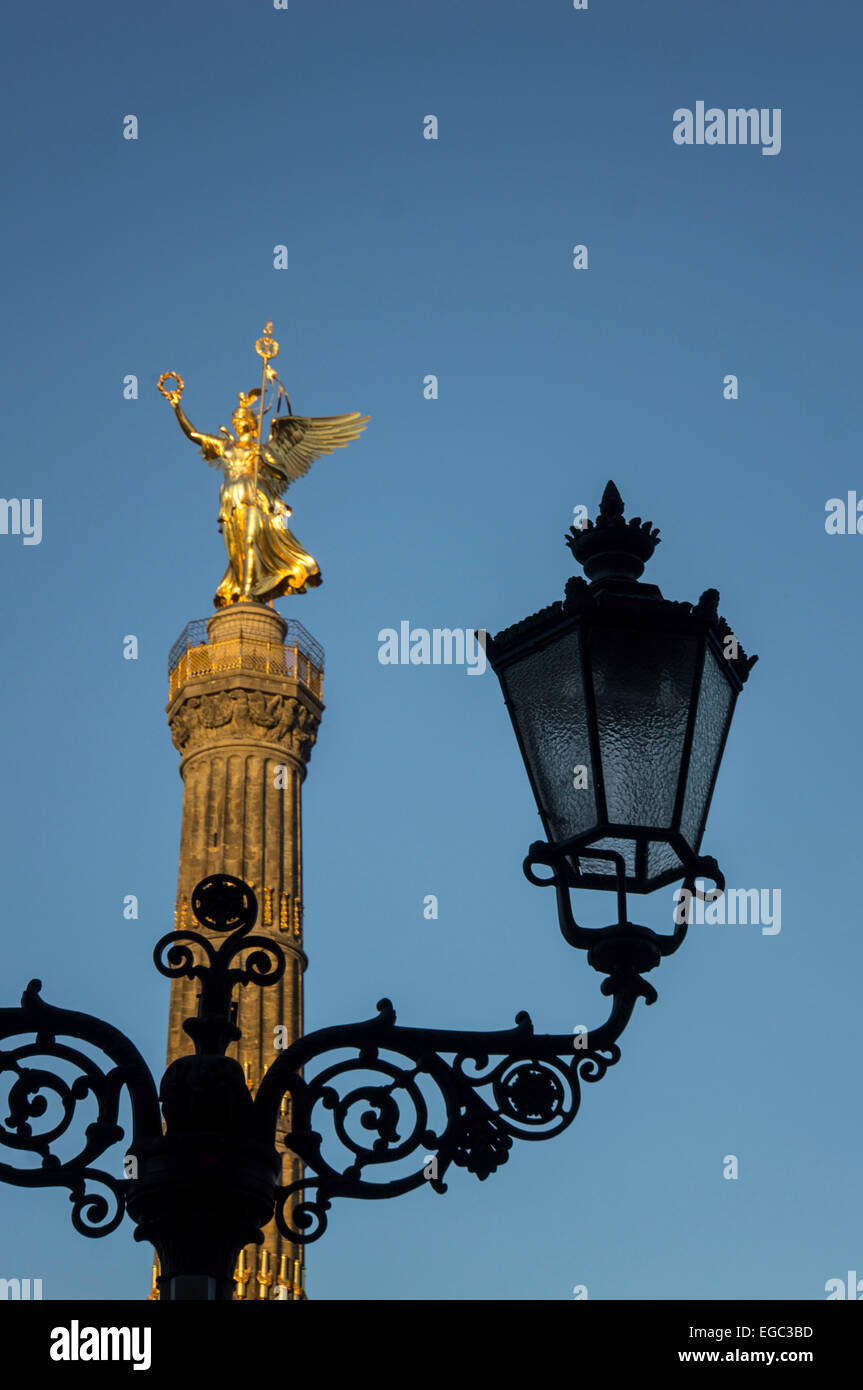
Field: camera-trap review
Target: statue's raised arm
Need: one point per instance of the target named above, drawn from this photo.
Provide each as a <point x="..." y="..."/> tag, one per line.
<point x="211" y="447"/>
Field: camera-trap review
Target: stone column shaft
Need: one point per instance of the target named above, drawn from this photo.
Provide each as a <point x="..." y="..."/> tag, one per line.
<point x="244" y="712"/>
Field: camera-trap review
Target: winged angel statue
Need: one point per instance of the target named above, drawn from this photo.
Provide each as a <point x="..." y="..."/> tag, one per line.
<point x="265" y="560"/>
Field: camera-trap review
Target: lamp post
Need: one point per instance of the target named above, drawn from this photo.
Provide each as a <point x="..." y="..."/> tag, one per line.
<point x="621" y="702"/>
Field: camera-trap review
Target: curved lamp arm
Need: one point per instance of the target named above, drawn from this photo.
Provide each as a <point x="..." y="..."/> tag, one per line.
<point x="451" y="1097"/>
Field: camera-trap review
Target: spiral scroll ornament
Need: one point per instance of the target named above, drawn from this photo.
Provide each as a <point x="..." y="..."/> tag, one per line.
<point x="220" y="903"/>
<point x="59" y="1111"/>
<point x="410" y="1103"/>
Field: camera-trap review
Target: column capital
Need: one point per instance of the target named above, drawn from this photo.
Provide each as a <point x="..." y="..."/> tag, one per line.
<point x="235" y="712"/>
<point x="246" y="676"/>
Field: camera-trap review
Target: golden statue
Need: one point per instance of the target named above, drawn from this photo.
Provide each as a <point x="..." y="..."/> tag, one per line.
<point x="264" y="560"/>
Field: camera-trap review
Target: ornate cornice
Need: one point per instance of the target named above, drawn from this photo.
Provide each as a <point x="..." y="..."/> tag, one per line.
<point x="643" y="602"/>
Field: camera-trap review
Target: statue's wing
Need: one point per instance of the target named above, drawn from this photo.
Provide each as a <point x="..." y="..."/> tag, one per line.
<point x="296" y="441"/>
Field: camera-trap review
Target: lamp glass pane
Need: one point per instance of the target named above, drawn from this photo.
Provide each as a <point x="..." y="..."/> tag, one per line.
<point x="660" y="858"/>
<point x="546" y="695"/>
<point x="605" y="867"/>
<point x="714" y="709"/>
<point x="643" y="684"/>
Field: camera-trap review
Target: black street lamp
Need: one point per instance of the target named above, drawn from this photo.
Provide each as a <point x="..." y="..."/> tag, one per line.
<point x="621" y="701"/>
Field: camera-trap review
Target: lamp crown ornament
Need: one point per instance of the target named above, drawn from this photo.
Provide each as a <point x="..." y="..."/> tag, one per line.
<point x="612" y="547"/>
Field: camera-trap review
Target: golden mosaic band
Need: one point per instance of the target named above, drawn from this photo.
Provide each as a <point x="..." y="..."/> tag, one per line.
<point x="290" y="913"/>
<point x="289" y="1286"/>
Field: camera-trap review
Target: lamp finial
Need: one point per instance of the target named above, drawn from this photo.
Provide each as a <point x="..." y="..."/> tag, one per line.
<point x="612" y="547"/>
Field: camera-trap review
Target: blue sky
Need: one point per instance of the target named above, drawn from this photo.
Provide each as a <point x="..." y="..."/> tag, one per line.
<point x="408" y="257"/>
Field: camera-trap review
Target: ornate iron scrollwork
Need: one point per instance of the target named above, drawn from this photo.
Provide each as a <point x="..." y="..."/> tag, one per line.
<point x="375" y="1107"/>
<point x="221" y="903"/>
<point x="41" y="1106"/>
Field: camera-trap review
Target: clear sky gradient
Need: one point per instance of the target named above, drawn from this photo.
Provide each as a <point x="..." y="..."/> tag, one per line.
<point x="453" y="257"/>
